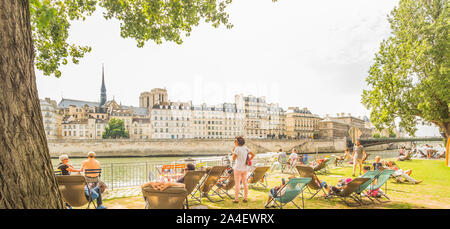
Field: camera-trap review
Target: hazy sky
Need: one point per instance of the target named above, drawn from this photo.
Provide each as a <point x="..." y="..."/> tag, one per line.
<point x="313" y="54"/>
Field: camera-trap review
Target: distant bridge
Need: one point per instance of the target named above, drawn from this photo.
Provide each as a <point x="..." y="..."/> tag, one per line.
<point x="380" y="141"/>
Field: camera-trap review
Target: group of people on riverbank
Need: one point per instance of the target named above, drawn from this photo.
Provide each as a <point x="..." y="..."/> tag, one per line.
<point x="94" y="184"/>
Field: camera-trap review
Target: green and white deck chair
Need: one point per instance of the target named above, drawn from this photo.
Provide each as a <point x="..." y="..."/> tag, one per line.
<point x="349" y="192"/>
<point x="191" y="181"/>
<point x="372" y="175"/>
<point x="382" y="180"/>
<point x="314" y="184"/>
<point x="259" y="174"/>
<point x="293" y="188"/>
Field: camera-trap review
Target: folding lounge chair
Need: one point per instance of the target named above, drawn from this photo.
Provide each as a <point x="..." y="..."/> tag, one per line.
<point x="209" y="182"/>
<point x="285" y="166"/>
<point x="72" y="189"/>
<point x="171" y="198"/>
<point x="191" y="181"/>
<point x="382" y="180"/>
<point x="293" y="188"/>
<point x="321" y="168"/>
<point x="372" y="175"/>
<point x="328" y="164"/>
<point x="259" y="176"/>
<point x="350" y="191"/>
<point x="230" y="183"/>
<point x="314" y="184"/>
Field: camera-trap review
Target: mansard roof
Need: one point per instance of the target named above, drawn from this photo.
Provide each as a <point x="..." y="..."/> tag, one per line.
<point x="65" y="103"/>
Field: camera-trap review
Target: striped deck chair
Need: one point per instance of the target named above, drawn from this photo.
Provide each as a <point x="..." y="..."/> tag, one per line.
<point x="349" y="192"/>
<point x="258" y="176"/>
<point x="293" y="188"/>
<point x="314" y="184"/>
<point x="380" y="181"/>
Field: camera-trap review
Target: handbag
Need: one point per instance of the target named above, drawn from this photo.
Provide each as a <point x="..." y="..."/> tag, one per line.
<point x="248" y="161"/>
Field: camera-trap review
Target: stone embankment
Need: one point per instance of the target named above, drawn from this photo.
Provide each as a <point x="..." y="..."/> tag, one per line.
<point x="188" y="147"/>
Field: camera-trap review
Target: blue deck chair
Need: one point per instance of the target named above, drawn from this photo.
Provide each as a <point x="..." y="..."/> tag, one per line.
<point x="372" y="175"/>
<point x="293" y="188"/>
<point x="382" y="180"/>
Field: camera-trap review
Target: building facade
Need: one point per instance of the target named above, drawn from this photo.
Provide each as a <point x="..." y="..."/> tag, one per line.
<point x="301" y="123"/>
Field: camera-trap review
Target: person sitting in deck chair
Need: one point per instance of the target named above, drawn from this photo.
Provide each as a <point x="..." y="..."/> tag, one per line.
<point x="224" y="180"/>
<point x="342" y="184"/>
<point x="340" y="159"/>
<point x="276" y="190"/>
<point x="91" y="163"/>
<point x="65" y="167"/>
<point x="189" y="167"/>
<point x="377" y="165"/>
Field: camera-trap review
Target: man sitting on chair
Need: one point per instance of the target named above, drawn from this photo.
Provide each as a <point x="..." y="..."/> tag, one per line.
<point x="92" y="177"/>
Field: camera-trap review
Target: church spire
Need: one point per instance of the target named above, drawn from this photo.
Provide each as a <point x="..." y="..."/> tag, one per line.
<point x="103" y="89"/>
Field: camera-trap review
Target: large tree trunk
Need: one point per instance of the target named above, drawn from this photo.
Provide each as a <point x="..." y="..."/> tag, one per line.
<point x="26" y="174"/>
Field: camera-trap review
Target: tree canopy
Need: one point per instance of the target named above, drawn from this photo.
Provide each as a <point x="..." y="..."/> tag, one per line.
<point x="115" y="129"/>
<point x="409" y="79"/>
<point x="142" y="20"/>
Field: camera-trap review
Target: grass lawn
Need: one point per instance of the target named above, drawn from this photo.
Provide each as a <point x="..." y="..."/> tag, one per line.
<point x="433" y="192"/>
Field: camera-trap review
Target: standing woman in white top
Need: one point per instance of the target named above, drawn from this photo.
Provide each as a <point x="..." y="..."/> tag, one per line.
<point x="240" y="154"/>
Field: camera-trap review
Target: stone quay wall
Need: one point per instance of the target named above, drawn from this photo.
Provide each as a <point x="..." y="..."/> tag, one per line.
<point x="185" y="147"/>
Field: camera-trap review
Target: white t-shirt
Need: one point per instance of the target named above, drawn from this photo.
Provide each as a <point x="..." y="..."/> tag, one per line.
<point x="293" y="156"/>
<point x="241" y="152"/>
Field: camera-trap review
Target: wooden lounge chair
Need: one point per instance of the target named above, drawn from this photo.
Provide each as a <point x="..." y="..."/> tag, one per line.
<point x="72" y="189"/>
<point x="350" y="191"/>
<point x="171" y="198"/>
<point x="294" y="187"/>
<point x="380" y="181"/>
<point x="191" y="181"/>
<point x="209" y="182"/>
<point x="259" y="176"/>
<point x="314" y="184"/>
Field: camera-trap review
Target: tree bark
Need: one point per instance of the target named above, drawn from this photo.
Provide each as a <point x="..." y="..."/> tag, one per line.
<point x="26" y="174"/>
